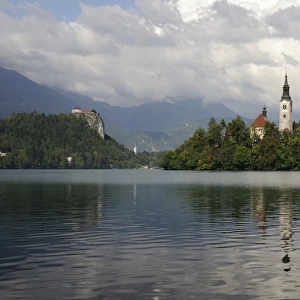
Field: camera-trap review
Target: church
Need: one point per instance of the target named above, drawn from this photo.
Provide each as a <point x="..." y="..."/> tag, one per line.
<point x="285" y="113"/>
<point x="286" y="108"/>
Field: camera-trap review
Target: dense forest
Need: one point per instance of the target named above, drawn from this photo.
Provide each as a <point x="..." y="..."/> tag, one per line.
<point x="233" y="146"/>
<point x="34" y="140"/>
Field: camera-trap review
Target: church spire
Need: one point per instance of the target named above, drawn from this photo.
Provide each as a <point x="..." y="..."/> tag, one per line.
<point x="286" y="80"/>
<point x="286" y="89"/>
<point x="286" y="108"/>
<point x="264" y="112"/>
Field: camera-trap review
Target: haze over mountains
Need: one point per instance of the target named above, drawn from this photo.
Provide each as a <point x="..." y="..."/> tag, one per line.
<point x="154" y="126"/>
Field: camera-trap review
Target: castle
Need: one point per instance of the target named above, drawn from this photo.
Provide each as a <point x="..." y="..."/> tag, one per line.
<point x="93" y="118"/>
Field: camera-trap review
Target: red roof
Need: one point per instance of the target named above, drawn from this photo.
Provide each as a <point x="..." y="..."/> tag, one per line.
<point x="260" y="121"/>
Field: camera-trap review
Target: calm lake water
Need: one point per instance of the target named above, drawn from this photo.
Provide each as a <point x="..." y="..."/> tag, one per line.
<point x="149" y="234"/>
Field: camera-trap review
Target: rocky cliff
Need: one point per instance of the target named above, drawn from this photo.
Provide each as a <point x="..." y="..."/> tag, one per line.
<point x="93" y="118"/>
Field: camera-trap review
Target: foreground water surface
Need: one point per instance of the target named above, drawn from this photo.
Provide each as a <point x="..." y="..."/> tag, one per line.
<point x="149" y="234"/>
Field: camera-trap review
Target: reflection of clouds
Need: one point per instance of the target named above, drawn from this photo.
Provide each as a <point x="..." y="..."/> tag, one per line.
<point x="163" y="250"/>
<point x="97" y="269"/>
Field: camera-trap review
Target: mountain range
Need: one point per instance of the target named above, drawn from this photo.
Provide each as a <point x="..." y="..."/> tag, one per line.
<point x="154" y="126"/>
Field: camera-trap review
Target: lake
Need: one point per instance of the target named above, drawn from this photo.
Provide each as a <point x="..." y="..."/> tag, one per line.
<point x="149" y="234"/>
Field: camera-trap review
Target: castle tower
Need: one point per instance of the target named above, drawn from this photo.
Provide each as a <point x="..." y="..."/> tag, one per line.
<point x="285" y="108"/>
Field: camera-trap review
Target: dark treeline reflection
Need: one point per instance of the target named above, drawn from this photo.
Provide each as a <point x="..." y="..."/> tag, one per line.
<point x="240" y="201"/>
<point x="86" y="203"/>
<point x="50" y="206"/>
<point x="149" y="239"/>
<point x="257" y="208"/>
<point x="59" y="205"/>
<point x="259" y="205"/>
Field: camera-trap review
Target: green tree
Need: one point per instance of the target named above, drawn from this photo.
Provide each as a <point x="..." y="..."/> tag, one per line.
<point x="214" y="133"/>
<point x="37" y="141"/>
<point x="172" y="161"/>
<point x="293" y="152"/>
<point x="237" y="133"/>
<point x="241" y="158"/>
<point x="267" y="154"/>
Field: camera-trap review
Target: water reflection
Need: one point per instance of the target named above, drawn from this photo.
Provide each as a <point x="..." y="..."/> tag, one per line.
<point x="286" y="229"/>
<point x="80" y="204"/>
<point x="155" y="240"/>
<point x="258" y="206"/>
<point x="264" y="204"/>
<point x="286" y="219"/>
<point x="234" y="201"/>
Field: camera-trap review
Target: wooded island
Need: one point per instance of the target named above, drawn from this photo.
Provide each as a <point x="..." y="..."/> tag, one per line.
<point x="234" y="146"/>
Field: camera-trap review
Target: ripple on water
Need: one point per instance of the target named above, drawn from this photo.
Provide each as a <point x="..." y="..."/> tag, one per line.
<point x="148" y="241"/>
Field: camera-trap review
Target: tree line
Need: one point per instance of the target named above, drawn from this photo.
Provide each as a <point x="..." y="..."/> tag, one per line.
<point x="234" y="146"/>
<point x="36" y="140"/>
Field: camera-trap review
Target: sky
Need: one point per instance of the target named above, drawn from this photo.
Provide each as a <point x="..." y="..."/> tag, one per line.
<point x="127" y="52"/>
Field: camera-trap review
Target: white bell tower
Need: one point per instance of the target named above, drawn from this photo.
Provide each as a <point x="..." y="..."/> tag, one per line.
<point x="286" y="108"/>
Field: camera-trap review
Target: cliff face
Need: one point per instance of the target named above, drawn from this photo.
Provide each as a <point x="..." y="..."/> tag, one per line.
<point x="93" y="118"/>
<point x="96" y="122"/>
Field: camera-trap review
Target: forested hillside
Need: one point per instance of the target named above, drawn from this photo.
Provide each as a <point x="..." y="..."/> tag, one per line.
<point x="232" y="147"/>
<point x="34" y="140"/>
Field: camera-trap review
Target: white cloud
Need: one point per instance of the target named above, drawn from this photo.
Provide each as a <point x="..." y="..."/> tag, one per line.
<point x="193" y="9"/>
<point x="235" y="52"/>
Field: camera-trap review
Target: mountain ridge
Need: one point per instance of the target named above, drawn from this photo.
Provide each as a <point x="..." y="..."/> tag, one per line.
<point x="152" y="126"/>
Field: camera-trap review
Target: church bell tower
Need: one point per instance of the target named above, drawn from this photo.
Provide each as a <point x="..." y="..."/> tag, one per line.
<point x="285" y="108"/>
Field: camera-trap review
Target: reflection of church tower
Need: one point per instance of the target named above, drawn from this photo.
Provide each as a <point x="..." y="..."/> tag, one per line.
<point x="258" y="208"/>
<point x="285" y="108"/>
<point x="286" y="231"/>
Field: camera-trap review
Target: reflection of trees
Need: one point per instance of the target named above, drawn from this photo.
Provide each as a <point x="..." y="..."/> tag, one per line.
<point x="83" y="219"/>
<point x="260" y="206"/>
<point x="231" y="201"/>
<point x="79" y="205"/>
<point x="216" y="201"/>
<point x="262" y="203"/>
<point x="40" y="217"/>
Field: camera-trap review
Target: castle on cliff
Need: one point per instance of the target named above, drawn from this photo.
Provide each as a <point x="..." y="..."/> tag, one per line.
<point x="93" y="118"/>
